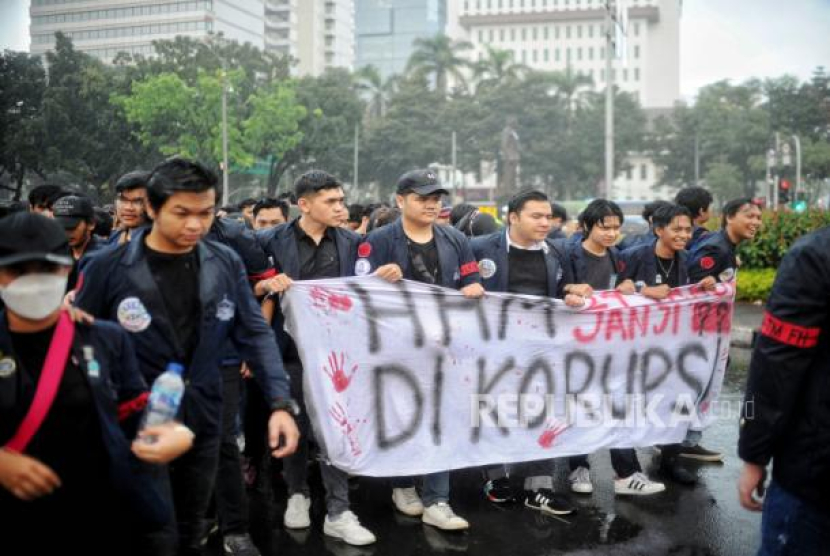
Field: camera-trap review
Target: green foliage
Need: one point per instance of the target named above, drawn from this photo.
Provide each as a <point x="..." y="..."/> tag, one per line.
<point x="780" y="230"/>
<point x="755" y="284"/>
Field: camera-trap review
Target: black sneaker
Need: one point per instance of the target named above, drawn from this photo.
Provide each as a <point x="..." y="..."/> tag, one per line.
<point x="699" y="453"/>
<point x="677" y="473"/>
<point x="239" y="545"/>
<point x="547" y="501"/>
<point x="498" y="490"/>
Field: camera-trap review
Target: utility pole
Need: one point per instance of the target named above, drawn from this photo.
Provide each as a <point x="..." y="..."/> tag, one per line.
<point x="356" y="156"/>
<point x="225" y="185"/>
<point x="797" y="142"/>
<point x="697" y="159"/>
<point x="454" y="161"/>
<point x="609" y="100"/>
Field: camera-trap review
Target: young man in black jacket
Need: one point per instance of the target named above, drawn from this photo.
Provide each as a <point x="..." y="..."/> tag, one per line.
<point x="786" y="414"/>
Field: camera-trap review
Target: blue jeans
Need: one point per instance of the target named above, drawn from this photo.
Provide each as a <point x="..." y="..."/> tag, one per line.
<point x="435" y="488"/>
<point x="789" y="526"/>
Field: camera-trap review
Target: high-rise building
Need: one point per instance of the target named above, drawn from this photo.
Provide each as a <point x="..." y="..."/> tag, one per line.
<point x="103" y="28"/>
<point x="557" y="35"/>
<point x="561" y="34"/>
<point x="319" y="34"/>
<point x="386" y="30"/>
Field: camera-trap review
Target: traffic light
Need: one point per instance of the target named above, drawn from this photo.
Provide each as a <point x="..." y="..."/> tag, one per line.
<point x="784" y="192"/>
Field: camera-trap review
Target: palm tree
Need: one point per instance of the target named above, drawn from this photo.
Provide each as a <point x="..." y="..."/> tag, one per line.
<point x="570" y="87"/>
<point x="440" y="57"/>
<point x="378" y="91"/>
<point x="496" y="68"/>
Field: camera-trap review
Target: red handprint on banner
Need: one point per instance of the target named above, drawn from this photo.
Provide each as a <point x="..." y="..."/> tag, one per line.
<point x="326" y="300"/>
<point x="337" y="373"/>
<point x="339" y="415"/>
<point x="549" y="435"/>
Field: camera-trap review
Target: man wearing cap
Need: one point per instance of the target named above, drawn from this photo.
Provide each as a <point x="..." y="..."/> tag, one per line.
<point x="130" y="210"/>
<point x="416" y="248"/>
<point x="77" y="217"/>
<point x="76" y="454"/>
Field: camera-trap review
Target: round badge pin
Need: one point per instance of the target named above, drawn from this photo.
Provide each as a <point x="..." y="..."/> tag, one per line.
<point x="7" y="367"/>
<point x="132" y="315"/>
<point x="487" y="268"/>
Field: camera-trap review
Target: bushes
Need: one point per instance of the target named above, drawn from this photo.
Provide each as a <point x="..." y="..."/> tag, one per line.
<point x="780" y="231"/>
<point x="755" y="284"/>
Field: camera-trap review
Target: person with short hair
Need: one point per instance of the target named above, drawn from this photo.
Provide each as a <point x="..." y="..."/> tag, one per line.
<point x="246" y="207"/>
<point x="358" y="218"/>
<point x="414" y="247"/>
<point x="182" y="297"/>
<point x="523" y="259"/>
<point x="698" y="201"/>
<point x="656" y="268"/>
<point x="313" y="246"/>
<point x="42" y="197"/>
<point x="130" y="206"/>
<point x="594" y="264"/>
<point x="647" y="237"/>
<point x="269" y="213"/>
<point x="559" y="218"/>
<point x="76" y="215"/>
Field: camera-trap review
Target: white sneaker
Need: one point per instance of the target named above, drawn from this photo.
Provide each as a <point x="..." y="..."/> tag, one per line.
<point x="348" y="528"/>
<point x="441" y="515"/>
<point x="580" y="479"/>
<point x="296" y="514"/>
<point x="407" y="501"/>
<point x="637" y="484"/>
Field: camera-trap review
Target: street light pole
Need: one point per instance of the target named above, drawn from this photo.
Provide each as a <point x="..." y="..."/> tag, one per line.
<point x="225" y="186"/>
<point x="609" y="101"/>
<point x="797" y="142"/>
<point x="454" y="161"/>
<point x="697" y="159"/>
<point x="356" y="155"/>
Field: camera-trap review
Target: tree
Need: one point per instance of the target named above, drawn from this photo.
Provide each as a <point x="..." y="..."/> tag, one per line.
<point x="85" y="136"/>
<point x="440" y="58"/>
<point x="726" y="179"/>
<point x="497" y="67"/>
<point x="378" y="91"/>
<point x="22" y="81"/>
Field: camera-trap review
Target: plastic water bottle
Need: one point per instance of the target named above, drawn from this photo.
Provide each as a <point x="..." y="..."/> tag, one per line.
<point x="165" y="399"/>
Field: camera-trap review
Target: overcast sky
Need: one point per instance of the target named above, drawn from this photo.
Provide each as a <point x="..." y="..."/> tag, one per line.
<point x="720" y="39"/>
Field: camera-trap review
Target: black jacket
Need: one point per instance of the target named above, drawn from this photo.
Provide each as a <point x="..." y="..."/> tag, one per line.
<point x="119" y="394"/>
<point x="118" y="285"/>
<point x="388" y="245"/>
<point x="492" y="256"/>
<point x="786" y="414"/>
<point x="640" y="265"/>
<point x="280" y="245"/>
<point x="714" y="255"/>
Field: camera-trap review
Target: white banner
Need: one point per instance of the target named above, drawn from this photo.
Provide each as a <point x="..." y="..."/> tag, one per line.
<point x="407" y="378"/>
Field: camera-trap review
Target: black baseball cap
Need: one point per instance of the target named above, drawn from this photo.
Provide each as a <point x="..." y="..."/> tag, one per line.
<point x="28" y="236"/>
<point x="71" y="210"/>
<point x="421" y="182"/>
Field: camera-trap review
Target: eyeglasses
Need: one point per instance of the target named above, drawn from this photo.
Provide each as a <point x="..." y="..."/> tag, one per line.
<point x="137" y="202"/>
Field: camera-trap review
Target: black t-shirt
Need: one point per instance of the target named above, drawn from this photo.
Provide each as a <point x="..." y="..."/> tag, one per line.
<point x="667" y="271"/>
<point x="423" y="262"/>
<point x="317" y="260"/>
<point x="177" y="278"/>
<point x="527" y="271"/>
<point x="69" y="440"/>
<point x="599" y="271"/>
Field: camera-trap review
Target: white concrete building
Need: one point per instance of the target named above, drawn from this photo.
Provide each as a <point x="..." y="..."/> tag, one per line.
<point x="319" y="34"/>
<point x="103" y="28"/>
<point x="554" y="35"/>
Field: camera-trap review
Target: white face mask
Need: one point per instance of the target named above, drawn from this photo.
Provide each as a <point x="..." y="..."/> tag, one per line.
<point x="35" y="296"/>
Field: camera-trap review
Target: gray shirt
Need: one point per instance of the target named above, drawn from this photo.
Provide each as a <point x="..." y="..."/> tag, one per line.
<point x="599" y="271"/>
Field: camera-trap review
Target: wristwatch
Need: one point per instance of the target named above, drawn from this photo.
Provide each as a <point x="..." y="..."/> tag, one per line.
<point x="639" y="285"/>
<point x="286" y="404"/>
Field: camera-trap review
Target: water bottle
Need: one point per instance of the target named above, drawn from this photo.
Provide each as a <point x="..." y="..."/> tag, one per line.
<point x="165" y="398"/>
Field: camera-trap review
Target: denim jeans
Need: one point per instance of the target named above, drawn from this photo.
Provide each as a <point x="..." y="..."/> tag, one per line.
<point x="435" y="487"/>
<point x="790" y="526"/>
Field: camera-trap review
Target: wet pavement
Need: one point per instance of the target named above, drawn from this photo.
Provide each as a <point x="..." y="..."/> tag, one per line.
<point x="683" y="521"/>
